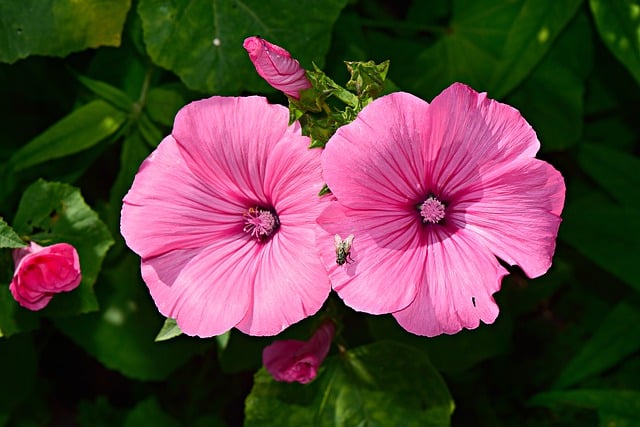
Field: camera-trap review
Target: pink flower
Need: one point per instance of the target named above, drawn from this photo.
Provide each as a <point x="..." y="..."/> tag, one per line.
<point x="276" y="66"/>
<point x="433" y="193"/>
<point x="293" y="360"/>
<point x="222" y="213"/>
<point x="42" y="272"/>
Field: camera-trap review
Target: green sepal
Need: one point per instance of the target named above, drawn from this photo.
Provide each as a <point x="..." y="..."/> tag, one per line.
<point x="367" y="79"/>
<point x="170" y="329"/>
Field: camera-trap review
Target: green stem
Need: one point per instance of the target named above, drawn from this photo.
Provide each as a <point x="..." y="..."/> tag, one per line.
<point x="144" y="90"/>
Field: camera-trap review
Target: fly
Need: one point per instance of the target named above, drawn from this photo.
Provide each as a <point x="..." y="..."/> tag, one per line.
<point x="343" y="248"/>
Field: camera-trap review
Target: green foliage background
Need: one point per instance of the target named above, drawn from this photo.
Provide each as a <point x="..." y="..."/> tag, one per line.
<point x="90" y="88"/>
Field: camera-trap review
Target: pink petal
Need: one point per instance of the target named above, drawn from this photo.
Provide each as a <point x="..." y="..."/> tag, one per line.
<point x="385" y="131"/>
<point x="206" y="290"/>
<point x="468" y="135"/>
<point x="290" y="283"/>
<point x="516" y="214"/>
<point x="461" y="276"/>
<point x="250" y="125"/>
<point x="378" y="279"/>
<point x="292" y="179"/>
<point x="168" y="207"/>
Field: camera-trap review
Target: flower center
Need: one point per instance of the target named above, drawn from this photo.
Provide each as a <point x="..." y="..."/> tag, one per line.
<point x="431" y="210"/>
<point x="260" y="223"/>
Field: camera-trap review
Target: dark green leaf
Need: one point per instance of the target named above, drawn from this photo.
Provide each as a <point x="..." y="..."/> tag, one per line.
<point x="489" y="45"/>
<point x="163" y="104"/>
<point x="58" y="27"/>
<point x="201" y="41"/>
<point x="107" y="92"/>
<point x="614" y="340"/>
<point x="551" y="98"/>
<point x="148" y="413"/>
<point x="133" y="152"/>
<point x="8" y="237"/>
<point x="607" y="234"/>
<point x="450" y="353"/>
<point x="614" y="170"/>
<point x="170" y="329"/>
<point x="18" y="369"/>
<point x="51" y="212"/>
<point x="149" y="131"/>
<point x="385" y="383"/>
<point x="13" y="318"/>
<point x="98" y="413"/>
<point x="81" y="129"/>
<point x="121" y="336"/>
<point x="620" y="406"/>
<point x="618" y="22"/>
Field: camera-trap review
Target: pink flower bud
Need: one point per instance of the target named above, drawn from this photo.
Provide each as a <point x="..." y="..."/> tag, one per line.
<point x="293" y="360"/>
<point x="276" y="66"/>
<point x="42" y="272"/>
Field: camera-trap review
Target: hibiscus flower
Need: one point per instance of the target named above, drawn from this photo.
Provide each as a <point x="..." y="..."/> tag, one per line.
<point x="222" y="213"/>
<point x="433" y="195"/>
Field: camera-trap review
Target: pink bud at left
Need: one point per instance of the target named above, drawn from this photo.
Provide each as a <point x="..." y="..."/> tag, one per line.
<point x="42" y="272"/>
<point x="298" y="361"/>
<point x="276" y="66"/>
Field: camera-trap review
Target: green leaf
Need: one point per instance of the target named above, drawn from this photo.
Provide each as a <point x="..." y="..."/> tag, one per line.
<point x="615" y="171"/>
<point x="607" y="234"/>
<point x="222" y="340"/>
<point x="451" y="354"/>
<point x="98" y="413"/>
<point x="384" y="383"/>
<point x="59" y="27"/>
<point x="558" y="84"/>
<point x="615" y="407"/>
<point x="162" y="105"/>
<point x="149" y="413"/>
<point x="201" y="41"/>
<point x="51" y="212"/>
<point x="618" y="22"/>
<point x="18" y="369"/>
<point x="169" y="330"/>
<point x="81" y="129"/>
<point x="121" y="336"/>
<point x="8" y="237"/>
<point x="614" y="340"/>
<point x="107" y="92"/>
<point x="13" y="318"/>
<point x="133" y="152"/>
<point x="149" y="131"/>
<point x="492" y="46"/>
